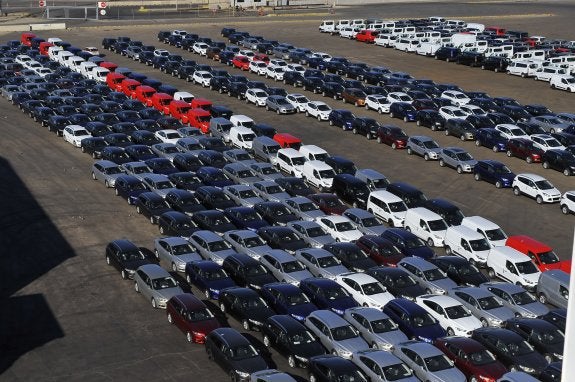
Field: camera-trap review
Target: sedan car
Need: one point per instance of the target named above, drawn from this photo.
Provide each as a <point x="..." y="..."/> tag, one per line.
<point x="329" y="368"/>
<point x="285" y="298"/>
<point x="517" y="298"/>
<point x="156" y="285"/>
<point x="126" y="257"/>
<point x="285" y="267"/>
<point x="450" y="313"/>
<point x="191" y="316"/>
<point x="151" y="205"/>
<point x="311" y="233"/>
<point x="429" y="276"/>
<point x="460" y="269"/>
<point x="246" y="306"/>
<point x="397" y="281"/>
<point x="211" y="246"/>
<point x="365" y="289"/>
<point x="339" y="227"/>
<point x="413" y="320"/>
<point x="209" y="277"/>
<point x="428" y="362"/>
<point x="320" y="262"/>
<point x="175" y="251"/>
<point x="375" y="327"/>
<point x="545" y="337"/>
<point x="247" y="242"/>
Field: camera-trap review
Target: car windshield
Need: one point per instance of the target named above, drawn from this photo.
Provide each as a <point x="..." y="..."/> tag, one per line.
<point x="140" y="169"/>
<point x="199" y="315"/>
<point x="437" y="225"/>
<point x="495" y="234"/>
<point x="479" y="245"/>
<point x="301" y="99"/>
<point x="523" y="298"/>
<point x="526" y="267"/>
<point x="433" y="274"/>
<point x="274" y="190"/>
<point x="550" y="337"/>
<point x="488" y="303"/>
<point x="243" y="352"/>
<point x="466" y="269"/>
<point x="154" y="205"/>
<point x="182" y="249"/>
<point x="549" y="257"/>
<point x="332" y="202"/>
<point x="315" y="232"/>
<point x="255" y="270"/>
<point x="293" y="266"/>
<point x="344" y="226"/>
<point x="438" y="363"/>
<point x="164" y="185"/>
<point x="300" y="338"/>
<point x="464" y="156"/>
<point x="414" y="242"/>
<point x="458" y="113"/>
<point x="335" y="293"/>
<point x="370" y="222"/>
<point x="136" y="187"/>
<point x="245" y="174"/>
<point x="328" y="261"/>
<point x="396" y="372"/>
<point x="323" y="108"/>
<point x="298" y="161"/>
<point x="397" y="207"/>
<point x="253" y="303"/>
<point x="516" y="132"/>
<point x="245" y="194"/>
<point x="219" y="246"/>
<point x="164" y="283"/>
<point x="456" y="312"/>
<point x="297" y="299"/>
<point x="113" y="170"/>
<point x="515" y="348"/>
<point x="403" y="281"/>
<point x="372" y="288"/>
<point x="430" y="145"/>
<point x="342" y="333"/>
<point x="325" y="174"/>
<point x="383" y="325"/>
<point x="544" y="185"/>
<point x="482" y="357"/>
<point x="255" y="241"/>
<point x="421" y="320"/>
<point x="250" y="216"/>
<point x="212" y="275"/>
<point x="132" y="256"/>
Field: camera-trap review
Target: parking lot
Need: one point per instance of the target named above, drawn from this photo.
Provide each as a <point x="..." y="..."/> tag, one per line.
<point x="71" y="317"/>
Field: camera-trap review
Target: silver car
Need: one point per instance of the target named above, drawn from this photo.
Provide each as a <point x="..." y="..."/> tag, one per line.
<point x="337" y="335"/>
<point x="106" y="171"/>
<point x="285" y="267"/>
<point x="433" y="279"/>
<point x="483" y="305"/>
<point x="242" y="194"/>
<point x="375" y="327"/>
<point x="428" y="362"/>
<point x="239" y="156"/>
<point x="457" y="158"/>
<point x="320" y="262"/>
<point x="166" y="150"/>
<point x="312" y="233"/>
<point x="175" y="251"/>
<point x="424" y="146"/>
<point x="271" y="375"/>
<point x="159" y="184"/>
<point x="303" y="208"/>
<point x="517" y="298"/>
<point x="247" y="242"/>
<point x="211" y="246"/>
<point x="271" y="191"/>
<point x="382" y="366"/>
<point x="280" y="105"/>
<point x="364" y="221"/>
<point x="240" y="173"/>
<point x="549" y="123"/>
<point x="137" y="169"/>
<point x="156" y="285"/>
<point x="265" y="171"/>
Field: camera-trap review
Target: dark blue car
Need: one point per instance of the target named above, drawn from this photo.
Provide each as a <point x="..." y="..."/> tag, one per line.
<point x="403" y="110"/>
<point x="327" y="294"/>
<point x="212" y="176"/>
<point x="493" y="172"/>
<point x="341" y="118"/>
<point x="408" y="243"/>
<point x="161" y="166"/>
<point x="286" y="298"/>
<point x="491" y="138"/>
<point x="129" y="187"/>
<point x="208" y="277"/>
<point x="413" y="320"/>
<point x="245" y="218"/>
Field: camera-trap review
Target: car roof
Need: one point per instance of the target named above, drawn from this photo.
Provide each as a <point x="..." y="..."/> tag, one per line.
<point x="243" y="233"/>
<point x="381" y="357"/>
<point x="154" y="270"/>
<point x="280" y="255"/>
<point x="505" y="286"/>
<point x="441" y="299"/>
<point x="190" y="301"/>
<point x="174" y="240"/>
<point x="207" y="235"/>
<point x="468" y="345"/>
<point x="304" y="223"/>
<point x="329" y="318"/>
<point x="241" y="292"/>
<point x="369" y="313"/>
<point x="286" y="322"/>
<point x="505" y="335"/>
<point x="423" y="349"/>
<point x="418" y="262"/>
<point x="359" y="277"/>
<point x="321" y="282"/>
<point x="229" y="336"/>
<point x="316" y="252"/>
<point x="407" y="306"/>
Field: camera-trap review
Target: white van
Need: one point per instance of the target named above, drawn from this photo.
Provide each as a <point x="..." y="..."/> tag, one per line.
<point x="427" y="48"/>
<point x="327" y="26"/>
<point x="467" y="243"/>
<point x="476" y="46"/>
<point x="86" y="68"/>
<point x="313" y="153"/>
<point x="291" y="161"/>
<point x="241" y="120"/>
<point x="458" y="39"/>
<point x="387" y="207"/>
<point x="522" y="68"/>
<point x="490" y="231"/>
<point x="563" y="82"/>
<point x="427" y="225"/>
<point x="52" y="52"/>
<point x="475" y="27"/>
<point x="532" y="55"/>
<point x="511" y="265"/>
<point x="62" y="55"/>
<point x="341" y="24"/>
<point x="502" y="51"/>
<point x="242" y="137"/>
<point x="545" y="73"/>
<point x="318" y="174"/>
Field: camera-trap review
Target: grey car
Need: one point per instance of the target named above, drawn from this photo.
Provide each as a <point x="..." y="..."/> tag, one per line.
<point x="271" y="191"/>
<point x="156" y="285"/>
<point x="175" y="251"/>
<point x="159" y="184"/>
<point x="239" y="156"/>
<point x="137" y="169"/>
<point x="285" y="267"/>
<point x="428" y="362"/>
<point x="265" y="171"/>
<point x="517" y="298"/>
<point x="429" y="276"/>
<point x="106" y="171"/>
<point x="483" y="305"/>
<point x="312" y="233"/>
<point x="303" y="208"/>
<point x="166" y="150"/>
<point x="247" y="242"/>
<point x="211" y="246"/>
<point x="271" y="375"/>
<point x="382" y="366"/>
<point x="280" y="105"/>
<point x="240" y="173"/>
<point x="375" y="327"/>
<point x="321" y="262"/>
<point x="364" y="221"/>
<point x="424" y="146"/>
<point x="550" y="123"/>
<point x="337" y="335"/>
<point x="457" y="158"/>
<point x="242" y="194"/>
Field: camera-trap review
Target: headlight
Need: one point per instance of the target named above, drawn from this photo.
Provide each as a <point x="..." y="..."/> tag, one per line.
<point x="438" y="290"/>
<point x="345" y="353"/>
<point x="529" y="315"/>
<point x="301" y="359"/>
<point x="255" y="322"/>
<point x="337" y="311"/>
<point x="255" y="286"/>
<point x="527" y="369"/>
<point x="494" y="321"/>
<point x="299" y="318"/>
<point x="386" y="346"/>
<point x="243" y="374"/>
<point x="214" y="290"/>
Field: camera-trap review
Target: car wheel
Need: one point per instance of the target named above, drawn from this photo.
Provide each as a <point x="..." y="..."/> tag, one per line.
<point x="513" y="368"/>
<point x="491" y="273"/>
<point x="459" y="170"/>
<point x="391" y="114"/>
<point x="393" y="146"/>
<point x="307" y="113"/>
<point x="162" y="230"/>
<point x="542" y="298"/>
<point x="425" y="157"/>
<point x="239" y="97"/>
<point x="94" y="176"/>
<point x="441" y="163"/>
<point x="498" y="184"/>
<point x="462" y="137"/>
<point x="446" y="132"/>
<point x="473" y="379"/>
<point x="484" y="322"/>
<point x="94" y="155"/>
<point x="108" y="260"/>
<point x="545" y="164"/>
<point x="529" y="159"/>
<point x="478" y="143"/>
<point x="152" y="220"/>
<point x="429" y="242"/>
<point x="433" y="128"/>
<point x="222" y="308"/>
<point x="509" y="153"/>
<point x="83" y="149"/>
<point x="516" y="191"/>
<point x="233" y="376"/>
<point x="565" y="209"/>
<point x="267" y="341"/>
<point x="154" y="303"/>
<point x="291" y="362"/>
<point x="354" y="130"/>
<point x="477" y="177"/>
<point x="495" y="149"/>
<point x="409" y="152"/>
<point x="136" y="287"/>
<point x="319" y="118"/>
<point x="170" y="319"/>
<point x="174" y="267"/>
<point x="567" y="172"/>
<point x="450" y="332"/>
<point x="448" y="250"/>
<point x="246" y="324"/>
<point x="354" y="204"/>
<point x="405" y="119"/>
<point x="538" y="199"/>
<point x="418" y="122"/>
<point x="312" y="378"/>
<point x="428" y="291"/>
<point x="378" y="139"/>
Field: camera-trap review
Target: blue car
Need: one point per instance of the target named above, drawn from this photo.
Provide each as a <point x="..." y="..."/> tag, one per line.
<point x="491" y="138"/>
<point x="408" y="243"/>
<point x="286" y="298"/>
<point x="245" y="218"/>
<point x="341" y="118"/>
<point x="212" y="176"/>
<point x="129" y="187"/>
<point x="493" y="172"/>
<point x="161" y="166"/>
<point x="403" y="110"/>
<point x="413" y="320"/>
<point x="328" y="294"/>
<point x="209" y="277"/>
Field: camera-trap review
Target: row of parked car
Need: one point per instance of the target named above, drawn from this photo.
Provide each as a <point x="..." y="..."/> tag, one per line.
<point x="164" y="283"/>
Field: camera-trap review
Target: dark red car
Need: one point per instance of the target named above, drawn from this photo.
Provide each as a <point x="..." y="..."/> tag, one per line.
<point x="329" y="203"/>
<point x="191" y="316"/>
<point x="381" y="250"/>
<point x="523" y="148"/>
<point x="392" y="136"/>
<point x="241" y="62"/>
<point x="472" y="358"/>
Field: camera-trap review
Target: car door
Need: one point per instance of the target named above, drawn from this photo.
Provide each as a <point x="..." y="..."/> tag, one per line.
<point x="355" y="289"/>
<point x="415" y="362"/>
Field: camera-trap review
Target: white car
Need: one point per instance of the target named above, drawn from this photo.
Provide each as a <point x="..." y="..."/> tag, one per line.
<point x="522" y="68"/>
<point x="450" y="112"/>
<point x="92" y="50"/>
<point x="365" y="289"/>
<point x="339" y="227"/>
<point x="258" y="67"/>
<point x="568" y="202"/>
<point x="32" y="64"/>
<point x="275" y="72"/>
<point x="456" y="97"/>
<point x="455" y="318"/>
<point x="546" y="142"/>
<point x="349" y="32"/>
<point x="278" y="62"/>
<point x="202" y="77"/>
<point x="74" y="134"/>
<point x="22" y="59"/>
<point x="43" y="72"/>
<point x="295" y="68"/>
<point x="299" y="101"/>
<point x="546" y="73"/>
<point x="168" y="135"/>
<point x="318" y="109"/>
<point x="248" y="53"/>
<point x="511" y="131"/>
<point x="377" y="102"/>
<point x="256" y="96"/>
<point x="472" y="110"/>
<point x="385" y="39"/>
<point x="161" y="53"/>
<point x="200" y="48"/>
<point x="399" y="97"/>
<point x="324" y="56"/>
<point x="563" y="82"/>
<point x="535" y="187"/>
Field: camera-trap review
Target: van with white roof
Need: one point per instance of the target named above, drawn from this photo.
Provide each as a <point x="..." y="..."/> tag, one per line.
<point x="489" y="230"/>
<point x="388" y="207"/>
<point x="290" y="161"/>
<point x="313" y="153"/>
<point x="318" y="174"/>
<point x="327" y="26"/>
<point x="467" y="243"/>
<point x="532" y="55"/>
<point x="241" y="137"/>
<point x="427" y="225"/>
<point x="512" y="266"/>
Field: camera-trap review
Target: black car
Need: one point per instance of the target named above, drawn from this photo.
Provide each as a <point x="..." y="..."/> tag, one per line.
<point x="93" y="146"/>
<point x="281" y="238"/>
<point x="144" y="137"/>
<point x="293" y="78"/>
<point x="275" y="213"/>
<point x="161" y="166"/>
<point x="460" y="128"/>
<point x="351" y="190"/>
<point x="151" y="205"/>
<point x="341" y="165"/>
<point x="115" y="154"/>
<point x="470" y="58"/>
<point x="430" y="118"/>
<point x="517" y="113"/>
<point x="175" y="223"/>
<point x="187" y="162"/>
<point x="294" y="186"/>
<point x="186" y="180"/>
<point x="291" y="339"/>
<point x="184" y="201"/>
<point x="447" y="54"/>
<point x="57" y="123"/>
<point x="480" y="121"/>
<point x="261" y="129"/>
<point x="140" y="152"/>
<point x="552" y="373"/>
<point x="341" y="118"/>
<point x="447" y="210"/>
<point x="219" y="84"/>
<point x="212" y="158"/>
<point x="460" y="270"/>
<point x="557" y="317"/>
<point x="332" y="89"/>
<point x="213" y="198"/>
<point x="126" y="257"/>
<point x="247" y="271"/>
<point x="313" y="84"/>
<point x="329" y="368"/>
<point x="545" y="337"/>
<point x="559" y="160"/>
<point x="365" y="126"/>
<point x="511" y="349"/>
<point x="351" y="256"/>
<point x="495" y="63"/>
<point x="397" y="281"/>
<point x="213" y="143"/>
<point x="129" y="187"/>
<point x="213" y="220"/>
<point x="246" y="306"/>
<point x="221" y="111"/>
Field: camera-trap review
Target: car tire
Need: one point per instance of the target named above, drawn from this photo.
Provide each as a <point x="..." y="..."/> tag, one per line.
<point x="379" y="140"/>
<point x="542" y="298"/>
<point x="393" y="146"/>
<point x="267" y="342"/>
<point x="495" y="149"/>
<point x="94" y="155"/>
<point x="459" y="170"/>
<point x="307" y="113"/>
<point x="448" y="251"/>
<point x="207" y="294"/>
<point x="233" y="376"/>
<point x="171" y="320"/>
<point x="222" y="308"/>
<point x="246" y="324"/>
<point x="291" y="361"/>
<point x="538" y="199"/>
<point x="430" y="243"/>
<point x="391" y="114"/>
<point x="450" y="332"/>
<point x="152" y="221"/>
<point x="154" y="303"/>
<point x="509" y="153"/>
<point x="516" y="191"/>
<point x="498" y="184"/>
<point x="354" y="131"/>
<point x="425" y="157"/>
<point x="529" y="159"/>
<point x="484" y="322"/>
<point x="312" y="378"/>
<point x="405" y="119"/>
<point x="567" y="172"/>
<point x="545" y="164"/>
<point x="441" y="163"/>
<point x="162" y="231"/>
<point x="94" y="176"/>
<point x="330" y="122"/>
<point x="565" y="209"/>
<point x="108" y="260"/>
<point x="319" y="118"/>
<point x="478" y="143"/>
<point x="477" y="176"/>
<point x="136" y="287"/>
<point x="513" y="368"/>
<point x="446" y="132"/>
<point x="491" y="273"/>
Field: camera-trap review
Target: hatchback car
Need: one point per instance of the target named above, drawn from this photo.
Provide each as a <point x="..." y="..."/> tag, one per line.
<point x="191" y="316"/>
<point x="450" y="313"/>
<point x="375" y="327"/>
<point x="156" y="285"/>
<point x="428" y="362"/>
<point x="175" y="251"/>
<point x="516" y="298"/>
<point x="423" y="146"/>
<point x="151" y="205"/>
<point x="493" y="172"/>
<point x="545" y="337"/>
<point x="535" y="187"/>
<point x="457" y="158"/>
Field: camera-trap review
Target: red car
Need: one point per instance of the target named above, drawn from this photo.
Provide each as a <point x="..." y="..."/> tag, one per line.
<point x="179" y="109"/>
<point x="241" y="62"/>
<point x="523" y="148"/>
<point x="381" y="250"/>
<point x="286" y="140"/>
<point x="261" y="57"/>
<point x="541" y="254"/>
<point x="129" y="86"/>
<point x="114" y="81"/>
<point x="191" y="316"/>
<point x="202" y="103"/>
<point x="392" y="136"/>
<point x="472" y="358"/>
<point x="329" y="203"/>
<point x="144" y="93"/>
<point x="161" y="102"/>
<point x="109" y="65"/>
<point x="366" y="36"/>
<point x="199" y="118"/>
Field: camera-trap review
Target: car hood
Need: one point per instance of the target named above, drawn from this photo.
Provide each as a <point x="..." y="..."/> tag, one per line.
<point x="163" y="192"/>
<point x="494" y="370"/>
<point x="377" y="230"/>
<point x="410" y="292"/>
<point x="424" y="252"/>
<point x="159" y="211"/>
<point x="258" y="314"/>
<point x="380" y="298"/>
<point x="353" y="344"/>
<point x="532" y="360"/>
<point x="258" y="281"/>
<point x="429" y="333"/>
<point x="564" y="265"/>
<point x="331" y="272"/>
<point x="256" y="224"/>
<point x="392" y="260"/>
<point x="170" y="292"/>
<point x="468" y="323"/>
<point x="223" y="228"/>
<point x="302" y="310"/>
<point x="186" y="258"/>
<point x="393" y="337"/>
<point x="308" y="350"/>
<point x="220" y="284"/>
<point x="361" y="265"/>
<point x="503" y="313"/>
<point x="135" y="264"/>
<point x="293" y="246"/>
<point x="475" y="279"/>
<point x="283" y="219"/>
<point x="445" y="284"/>
<point x="249" y="365"/>
<point x="311" y="215"/>
<point x="449" y="375"/>
<point x="298" y="276"/>
<point x="257" y="252"/>
<point x="535" y="308"/>
<point x="320" y="241"/>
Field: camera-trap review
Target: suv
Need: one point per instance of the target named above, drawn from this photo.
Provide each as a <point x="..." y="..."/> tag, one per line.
<point x="351" y="190"/>
<point x="494" y="172"/>
<point x="536" y="187"/>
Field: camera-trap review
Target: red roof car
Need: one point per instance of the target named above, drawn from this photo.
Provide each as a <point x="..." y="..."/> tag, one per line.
<point x="523" y="148"/>
<point x="114" y="81"/>
<point x="241" y="62"/>
<point x="392" y="136"/>
<point x="261" y="57"/>
<point x="381" y="250"/>
<point x="129" y="86"/>
<point x="179" y="109"/>
<point x="161" y="102"/>
<point x="541" y="254"/>
<point x="191" y="316"/>
<point x="199" y="118"/>
<point x="144" y="93"/>
<point x="330" y="204"/>
<point x="287" y="140"/>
